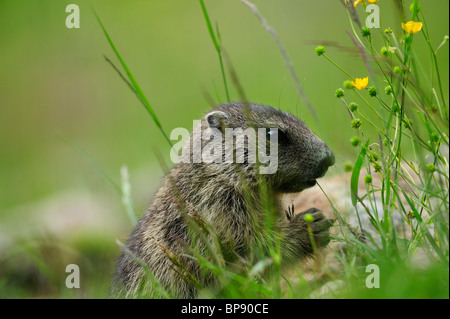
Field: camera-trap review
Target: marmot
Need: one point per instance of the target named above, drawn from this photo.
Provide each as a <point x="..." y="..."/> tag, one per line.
<point x="227" y="196"/>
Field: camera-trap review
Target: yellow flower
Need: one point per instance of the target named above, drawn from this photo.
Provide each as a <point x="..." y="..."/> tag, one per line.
<point x="362" y="1"/>
<point x="412" y="26"/>
<point x="360" y="83"/>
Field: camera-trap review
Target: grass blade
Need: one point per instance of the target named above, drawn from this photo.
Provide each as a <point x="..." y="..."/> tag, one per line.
<point x="134" y="85"/>
<point x="217" y="45"/>
<point x="355" y="174"/>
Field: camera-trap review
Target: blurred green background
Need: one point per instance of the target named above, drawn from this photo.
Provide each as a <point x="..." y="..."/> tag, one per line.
<point x="55" y="207"/>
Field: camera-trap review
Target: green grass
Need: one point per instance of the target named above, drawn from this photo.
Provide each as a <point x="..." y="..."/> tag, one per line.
<point x="217" y="45"/>
<point x="133" y="84"/>
<point x="422" y="203"/>
<point x="402" y="135"/>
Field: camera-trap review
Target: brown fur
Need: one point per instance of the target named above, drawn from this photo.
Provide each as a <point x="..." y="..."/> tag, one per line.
<point x="227" y="197"/>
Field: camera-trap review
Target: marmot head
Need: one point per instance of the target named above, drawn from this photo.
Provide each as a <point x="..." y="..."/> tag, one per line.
<point x="302" y="157"/>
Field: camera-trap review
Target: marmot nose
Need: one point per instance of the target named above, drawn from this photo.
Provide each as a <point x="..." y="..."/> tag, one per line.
<point x="327" y="159"/>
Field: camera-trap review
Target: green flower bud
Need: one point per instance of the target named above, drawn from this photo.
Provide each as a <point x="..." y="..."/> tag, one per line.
<point x="353" y="106"/>
<point x="430" y="168"/>
<point x="411" y="215"/>
<point x="395" y="107"/>
<point x="368" y="179"/>
<point x="348" y="167"/>
<point x="365" y="31"/>
<point x="309" y="218"/>
<point x="348" y="85"/>
<point x="355" y="141"/>
<point x="434" y="137"/>
<point x="388" y="31"/>
<point x="384" y="51"/>
<point x="356" y="123"/>
<point x="377" y="167"/>
<point x="373" y="157"/>
<point x="339" y="93"/>
<point x="320" y="50"/>
<point x="372" y="91"/>
<point x="388" y="90"/>
<point x="397" y="70"/>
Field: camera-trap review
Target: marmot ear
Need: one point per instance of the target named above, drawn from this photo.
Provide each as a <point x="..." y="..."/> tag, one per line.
<point x="216" y="119"/>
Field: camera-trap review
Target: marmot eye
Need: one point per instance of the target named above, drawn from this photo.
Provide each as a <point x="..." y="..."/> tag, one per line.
<point x="280" y="135"/>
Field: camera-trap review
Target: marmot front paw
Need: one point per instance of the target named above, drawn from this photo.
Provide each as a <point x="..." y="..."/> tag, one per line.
<point x="319" y="226"/>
